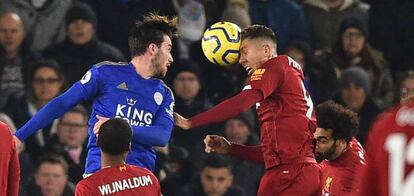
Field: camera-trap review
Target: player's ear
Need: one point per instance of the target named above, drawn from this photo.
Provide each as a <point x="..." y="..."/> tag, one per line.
<point x="153" y="48"/>
<point x="267" y="49"/>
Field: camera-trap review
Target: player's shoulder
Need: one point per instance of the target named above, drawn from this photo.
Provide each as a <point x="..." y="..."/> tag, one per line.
<point x="5" y="130"/>
<point x="110" y="65"/>
<point x="138" y="169"/>
<point x="161" y="84"/>
<point x="281" y="62"/>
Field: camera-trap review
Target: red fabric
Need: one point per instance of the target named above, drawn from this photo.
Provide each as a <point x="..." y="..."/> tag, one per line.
<point x="9" y="163"/>
<point x="339" y="175"/>
<point x="286" y="113"/>
<point x="227" y="109"/>
<point x="390" y="148"/>
<point x="120" y="180"/>
<point x="251" y="153"/>
<point x="291" y="180"/>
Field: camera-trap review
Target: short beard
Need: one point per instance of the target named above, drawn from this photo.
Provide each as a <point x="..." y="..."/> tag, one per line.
<point x="156" y="67"/>
<point x="326" y="155"/>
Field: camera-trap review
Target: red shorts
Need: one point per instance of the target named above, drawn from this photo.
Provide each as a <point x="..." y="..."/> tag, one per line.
<point x="291" y="179"/>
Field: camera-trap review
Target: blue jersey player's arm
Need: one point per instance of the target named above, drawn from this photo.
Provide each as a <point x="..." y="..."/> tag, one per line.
<point x="159" y="132"/>
<point x="79" y="92"/>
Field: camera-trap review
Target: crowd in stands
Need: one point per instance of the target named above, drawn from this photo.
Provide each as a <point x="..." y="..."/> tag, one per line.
<point x="358" y="53"/>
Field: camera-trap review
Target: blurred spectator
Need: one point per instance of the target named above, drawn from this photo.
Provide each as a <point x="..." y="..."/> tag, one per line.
<point x="190" y="99"/>
<point x="116" y="17"/>
<point x="325" y="16"/>
<point x="354" y="94"/>
<point x="223" y="81"/>
<point x="70" y="141"/>
<point x="216" y="179"/>
<point x="405" y="86"/>
<point x="180" y="171"/>
<point x="390" y="24"/>
<point x="81" y="49"/>
<point x="47" y="83"/>
<point x="15" y="56"/>
<point x="237" y="12"/>
<point x="284" y="17"/>
<point x="353" y="49"/>
<point x="191" y="26"/>
<point x="50" y="179"/>
<point x="320" y="79"/>
<point x="239" y="130"/>
<point x="43" y="20"/>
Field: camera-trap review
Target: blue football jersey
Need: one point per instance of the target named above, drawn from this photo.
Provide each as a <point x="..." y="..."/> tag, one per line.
<point x="117" y="91"/>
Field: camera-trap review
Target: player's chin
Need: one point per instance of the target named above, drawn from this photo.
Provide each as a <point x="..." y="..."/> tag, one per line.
<point x="319" y="157"/>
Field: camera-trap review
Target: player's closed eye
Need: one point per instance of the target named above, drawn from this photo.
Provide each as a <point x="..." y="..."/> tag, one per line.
<point x="46" y="80"/>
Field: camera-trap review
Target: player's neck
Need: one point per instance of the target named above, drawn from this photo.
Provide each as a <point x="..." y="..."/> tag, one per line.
<point x="111" y="160"/>
<point x="142" y="66"/>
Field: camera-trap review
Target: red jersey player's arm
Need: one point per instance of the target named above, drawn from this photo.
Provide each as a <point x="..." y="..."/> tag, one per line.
<point x="251" y="153"/>
<point x="14" y="173"/>
<point x="228" y="108"/>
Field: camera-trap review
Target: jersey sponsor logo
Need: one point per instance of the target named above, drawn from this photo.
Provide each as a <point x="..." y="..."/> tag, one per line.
<point x="122" y="86"/>
<point x="85" y="79"/>
<point x="327" y="188"/>
<point x="133" y="115"/>
<point x="125" y="184"/>
<point x="158" y="98"/>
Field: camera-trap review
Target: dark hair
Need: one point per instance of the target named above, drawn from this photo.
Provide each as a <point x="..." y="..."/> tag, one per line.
<point x="303" y="47"/>
<point x="151" y="30"/>
<point x="115" y="136"/>
<point x="52" y="159"/>
<point x="258" y="31"/>
<point x="217" y="161"/>
<point x="79" y="109"/>
<point x="48" y="63"/>
<point x="343" y="122"/>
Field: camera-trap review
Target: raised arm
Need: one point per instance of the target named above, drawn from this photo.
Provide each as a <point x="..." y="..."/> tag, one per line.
<point x="223" y="111"/>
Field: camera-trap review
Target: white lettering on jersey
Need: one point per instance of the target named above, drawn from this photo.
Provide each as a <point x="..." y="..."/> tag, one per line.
<point x="125" y="184"/>
<point x="401" y="153"/>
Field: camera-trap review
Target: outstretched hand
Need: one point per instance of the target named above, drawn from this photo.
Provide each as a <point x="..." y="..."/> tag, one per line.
<point x="182" y="122"/>
<point x="98" y="124"/>
<point x="215" y="143"/>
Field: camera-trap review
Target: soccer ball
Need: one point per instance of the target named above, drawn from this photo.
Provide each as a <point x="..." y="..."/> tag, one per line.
<point x="221" y="43"/>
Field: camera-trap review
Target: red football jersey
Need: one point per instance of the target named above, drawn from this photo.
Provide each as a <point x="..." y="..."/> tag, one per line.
<point x="9" y="163"/>
<point x="120" y="180"/>
<point x="286" y="112"/>
<point x="339" y="175"/>
<point x="390" y="153"/>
